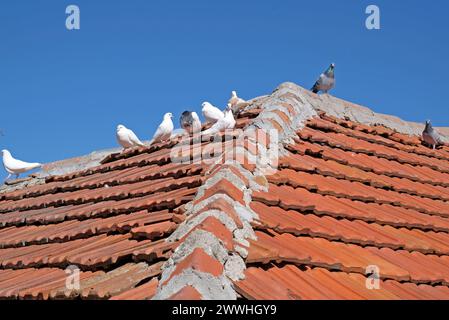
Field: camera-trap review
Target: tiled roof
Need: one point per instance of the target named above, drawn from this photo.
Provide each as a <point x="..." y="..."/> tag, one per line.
<point x="109" y="220"/>
<point x="352" y="189"/>
<point x="348" y="196"/>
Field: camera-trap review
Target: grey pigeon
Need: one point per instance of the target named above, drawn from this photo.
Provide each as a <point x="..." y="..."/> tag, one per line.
<point x="190" y="122"/>
<point x="326" y="81"/>
<point x="430" y="136"/>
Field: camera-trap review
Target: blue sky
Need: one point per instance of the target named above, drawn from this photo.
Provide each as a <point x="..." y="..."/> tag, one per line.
<point x="62" y="93"/>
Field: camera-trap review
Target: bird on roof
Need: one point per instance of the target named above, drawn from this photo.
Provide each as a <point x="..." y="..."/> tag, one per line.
<point x="326" y="81"/>
<point x="236" y="102"/>
<point x="211" y="114"/>
<point x="16" y="167"/>
<point x="190" y="122"/>
<point x="225" y="123"/>
<point x="165" y="129"/>
<point x="127" y="138"/>
<point x="430" y="136"/>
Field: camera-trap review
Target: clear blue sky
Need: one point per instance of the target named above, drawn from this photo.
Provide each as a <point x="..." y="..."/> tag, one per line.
<point x="62" y="92"/>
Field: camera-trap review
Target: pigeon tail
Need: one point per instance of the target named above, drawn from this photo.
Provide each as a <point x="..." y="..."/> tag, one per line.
<point x="35" y="166"/>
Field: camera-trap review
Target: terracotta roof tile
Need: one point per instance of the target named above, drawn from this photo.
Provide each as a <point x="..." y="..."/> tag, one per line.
<point x="186" y="293"/>
<point x="291" y="282"/>
<point x="199" y="261"/>
<point x="96" y="219"/>
<point x="348" y="196"/>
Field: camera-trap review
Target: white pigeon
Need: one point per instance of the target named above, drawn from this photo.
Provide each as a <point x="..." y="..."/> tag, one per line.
<point x="236" y="102"/>
<point x="165" y="129"/>
<point x="14" y="166"/>
<point x="227" y="122"/>
<point x="127" y="138"/>
<point x="190" y="122"/>
<point x="211" y="114"/>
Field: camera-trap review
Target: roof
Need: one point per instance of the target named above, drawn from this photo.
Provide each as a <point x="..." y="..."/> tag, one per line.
<point x="338" y="197"/>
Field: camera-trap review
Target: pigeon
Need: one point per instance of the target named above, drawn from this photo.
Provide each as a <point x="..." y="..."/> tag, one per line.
<point x="165" y="129"/>
<point x="190" y="122"/>
<point x="127" y="138"/>
<point x="326" y="81"/>
<point x="236" y="102"/>
<point x="430" y="136"/>
<point x="227" y="122"/>
<point x="211" y="114"/>
<point x="14" y="166"/>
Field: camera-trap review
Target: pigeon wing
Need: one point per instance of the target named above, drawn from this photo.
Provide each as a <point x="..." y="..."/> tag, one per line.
<point x="316" y="87"/>
<point x="134" y="139"/>
<point x="213" y="113"/>
<point x="19" y="165"/>
<point x="186" y="120"/>
<point x="158" y="134"/>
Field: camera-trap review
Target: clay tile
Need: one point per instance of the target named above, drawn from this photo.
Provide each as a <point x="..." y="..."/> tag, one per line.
<point x="153" y="231"/>
<point x="218" y="167"/>
<point x="283" y="116"/>
<point x="259" y="135"/>
<point x="276" y="125"/>
<point x="289" y="107"/>
<point x="186" y="293"/>
<point x="223" y="186"/>
<point x="223" y="206"/>
<point x="200" y="261"/>
<point x="217" y="228"/>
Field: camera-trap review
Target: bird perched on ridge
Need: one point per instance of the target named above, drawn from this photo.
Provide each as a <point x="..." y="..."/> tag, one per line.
<point x="165" y="129"/>
<point x="211" y="114"/>
<point x="430" y="136"/>
<point x="236" y="102"/>
<point x="326" y="81"/>
<point x="14" y="166"/>
<point x="190" y="122"/>
<point x="227" y="122"/>
<point x="127" y="138"/>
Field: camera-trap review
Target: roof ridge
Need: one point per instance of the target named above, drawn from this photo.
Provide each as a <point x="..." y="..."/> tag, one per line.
<point x="347" y="110"/>
<point x="218" y="222"/>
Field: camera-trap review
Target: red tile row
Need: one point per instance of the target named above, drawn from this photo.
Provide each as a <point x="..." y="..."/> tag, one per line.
<point x="380" y="131"/>
<point x="374" y="164"/>
<point x="293" y="283"/>
<point x="350" y="231"/>
<point x="365" y="133"/>
<point x="152" y="202"/>
<point x="109" y="179"/>
<point x="358" y="191"/>
<point x="337" y="170"/>
<point x="143" y="292"/>
<point x="91" y="253"/>
<point x="303" y="200"/>
<point x="344" y="142"/>
<point x="50" y="283"/>
<point x="120" y="192"/>
<point x="139" y="157"/>
<point x="399" y="265"/>
<point x="75" y="229"/>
